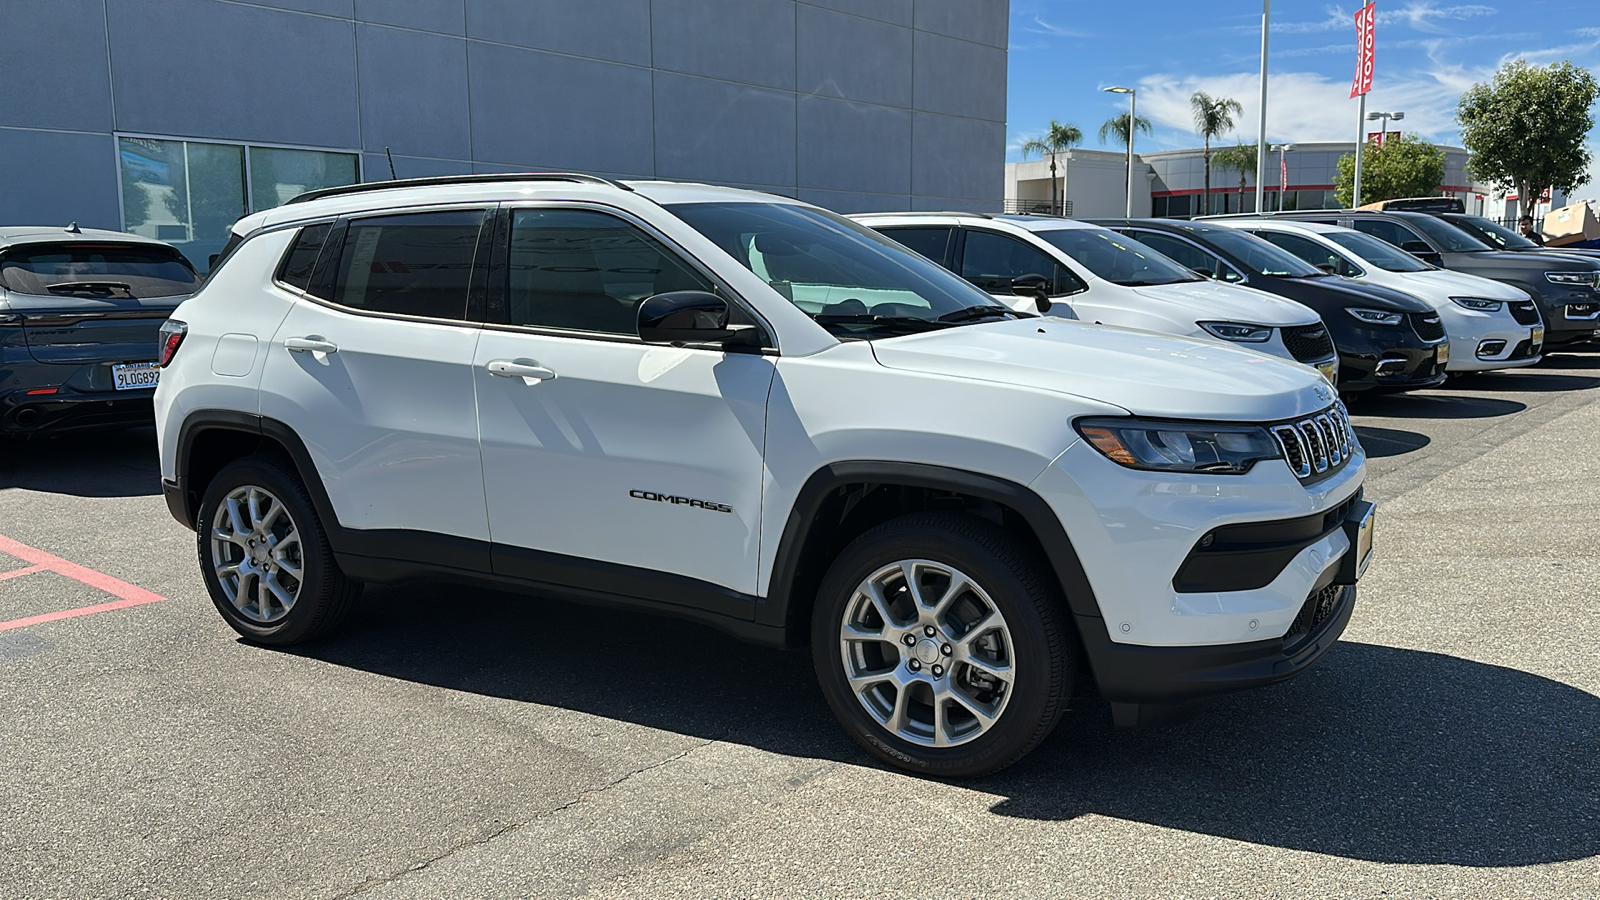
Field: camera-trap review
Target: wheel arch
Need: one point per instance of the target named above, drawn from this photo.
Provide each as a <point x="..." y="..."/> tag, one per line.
<point x="841" y="500"/>
<point x="210" y="439"/>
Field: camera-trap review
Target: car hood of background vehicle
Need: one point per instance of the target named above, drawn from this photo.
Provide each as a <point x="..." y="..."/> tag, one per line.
<point x="1460" y="284"/>
<point x="1210" y="301"/>
<point x="1146" y="373"/>
<point x="1333" y="291"/>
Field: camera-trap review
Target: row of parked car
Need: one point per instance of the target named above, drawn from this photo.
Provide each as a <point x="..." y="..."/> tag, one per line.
<point x="752" y="412"/>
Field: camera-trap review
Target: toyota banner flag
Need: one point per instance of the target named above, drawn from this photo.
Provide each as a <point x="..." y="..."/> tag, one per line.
<point x="1366" y="47"/>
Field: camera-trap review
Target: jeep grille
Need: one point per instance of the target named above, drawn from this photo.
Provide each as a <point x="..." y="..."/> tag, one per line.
<point x="1318" y="445"/>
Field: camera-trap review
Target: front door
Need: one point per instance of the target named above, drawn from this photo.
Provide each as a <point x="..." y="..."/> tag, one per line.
<point x="598" y="448"/>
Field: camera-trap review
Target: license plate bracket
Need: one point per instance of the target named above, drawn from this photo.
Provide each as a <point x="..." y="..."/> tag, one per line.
<point x="139" y="376"/>
<point x="1358" y="528"/>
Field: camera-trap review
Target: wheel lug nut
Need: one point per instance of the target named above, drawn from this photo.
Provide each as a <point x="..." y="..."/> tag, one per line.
<point x="929" y="631"/>
<point x="916" y="665"/>
<point x="938" y="671"/>
<point x="946" y="650"/>
<point x="911" y="640"/>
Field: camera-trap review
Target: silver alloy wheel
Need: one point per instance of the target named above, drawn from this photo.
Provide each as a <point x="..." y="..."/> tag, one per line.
<point x="927" y="653"/>
<point x="256" y="552"/>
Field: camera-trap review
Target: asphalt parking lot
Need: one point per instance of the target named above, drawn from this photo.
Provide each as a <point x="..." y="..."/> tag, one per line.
<point x="455" y="743"/>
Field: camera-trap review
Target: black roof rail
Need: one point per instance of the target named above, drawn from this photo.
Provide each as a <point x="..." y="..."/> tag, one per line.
<point x="932" y="212"/>
<point x="435" y="180"/>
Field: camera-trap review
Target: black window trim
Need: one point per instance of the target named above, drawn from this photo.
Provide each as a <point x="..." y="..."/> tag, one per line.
<point x="336" y="238"/>
<point x="958" y="259"/>
<point x="500" y="259"/>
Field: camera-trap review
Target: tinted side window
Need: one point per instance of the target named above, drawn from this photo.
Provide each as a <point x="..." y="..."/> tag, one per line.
<point x="930" y="242"/>
<point x="587" y="271"/>
<point x="1384" y="230"/>
<point x="991" y="261"/>
<point x="295" y="270"/>
<point x="1310" y="251"/>
<point x="413" y="264"/>
<point x="1183" y="252"/>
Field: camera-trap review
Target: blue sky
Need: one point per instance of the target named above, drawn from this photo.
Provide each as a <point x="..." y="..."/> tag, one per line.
<point x="1428" y="51"/>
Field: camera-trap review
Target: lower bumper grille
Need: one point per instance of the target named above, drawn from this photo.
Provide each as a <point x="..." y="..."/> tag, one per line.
<point x="1318" y="607"/>
<point x="1523" y="350"/>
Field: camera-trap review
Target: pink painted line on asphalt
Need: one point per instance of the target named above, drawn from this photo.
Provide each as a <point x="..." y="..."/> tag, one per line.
<point x="126" y="594"/>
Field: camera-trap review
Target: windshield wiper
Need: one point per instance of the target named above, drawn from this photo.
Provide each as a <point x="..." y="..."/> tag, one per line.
<point x="967" y="314"/>
<point x="90" y="287"/>
<point x="903" y="323"/>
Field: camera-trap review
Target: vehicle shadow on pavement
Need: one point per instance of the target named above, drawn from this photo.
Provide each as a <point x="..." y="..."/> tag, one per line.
<point x="1379" y="753"/>
<point x="1381" y="442"/>
<point x="98" y="464"/>
<point x="1531" y="380"/>
<point x="1433" y="406"/>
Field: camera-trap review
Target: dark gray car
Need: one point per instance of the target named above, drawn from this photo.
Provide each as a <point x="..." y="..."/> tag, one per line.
<point x="80" y="313"/>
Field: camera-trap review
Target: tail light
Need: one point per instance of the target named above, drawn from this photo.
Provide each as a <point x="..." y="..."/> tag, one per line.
<point x="172" y="333"/>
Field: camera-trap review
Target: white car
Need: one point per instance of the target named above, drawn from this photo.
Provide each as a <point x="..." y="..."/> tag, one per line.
<point x="1491" y="325"/>
<point x="613" y="393"/>
<point x="1106" y="277"/>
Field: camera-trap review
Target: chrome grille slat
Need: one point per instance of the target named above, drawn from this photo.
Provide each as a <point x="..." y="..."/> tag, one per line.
<point x="1318" y="444"/>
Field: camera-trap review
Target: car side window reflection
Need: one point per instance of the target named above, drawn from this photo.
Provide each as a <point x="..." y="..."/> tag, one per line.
<point x="991" y="261"/>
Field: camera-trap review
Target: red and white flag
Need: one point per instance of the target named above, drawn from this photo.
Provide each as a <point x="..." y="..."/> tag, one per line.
<point x="1366" y="48"/>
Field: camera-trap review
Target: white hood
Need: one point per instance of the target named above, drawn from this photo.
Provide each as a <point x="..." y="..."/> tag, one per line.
<point x="1146" y="373"/>
<point x="1211" y="301"/>
<point x="1445" y="284"/>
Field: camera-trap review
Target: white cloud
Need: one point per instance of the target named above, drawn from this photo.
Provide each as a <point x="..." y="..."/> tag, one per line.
<point x="1040" y="26"/>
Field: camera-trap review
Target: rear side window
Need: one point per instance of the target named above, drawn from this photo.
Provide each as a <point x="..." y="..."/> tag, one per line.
<point x="990" y="261"/>
<point x="930" y="242"/>
<point x="413" y="264"/>
<point x="583" y="270"/>
<point x="97" y="270"/>
<point x="1384" y="230"/>
<point x="295" y="271"/>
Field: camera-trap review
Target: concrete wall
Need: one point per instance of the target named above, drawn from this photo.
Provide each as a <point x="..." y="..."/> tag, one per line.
<point x="852" y="104"/>
<point x="1092" y="181"/>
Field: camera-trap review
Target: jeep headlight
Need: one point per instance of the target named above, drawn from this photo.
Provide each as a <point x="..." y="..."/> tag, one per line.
<point x="1236" y="331"/>
<point x="1577" y="279"/>
<point x="1179" y="446"/>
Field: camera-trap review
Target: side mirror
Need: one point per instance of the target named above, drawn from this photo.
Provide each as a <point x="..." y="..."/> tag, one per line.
<point x="1033" y="285"/>
<point x="684" y="317"/>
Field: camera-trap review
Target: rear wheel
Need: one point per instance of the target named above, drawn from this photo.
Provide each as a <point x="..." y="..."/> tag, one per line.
<point x="941" y="645"/>
<point x="266" y="558"/>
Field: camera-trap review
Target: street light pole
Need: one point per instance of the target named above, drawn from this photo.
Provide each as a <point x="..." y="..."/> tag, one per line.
<point x="1261" y="120"/>
<point x="1133" y="122"/>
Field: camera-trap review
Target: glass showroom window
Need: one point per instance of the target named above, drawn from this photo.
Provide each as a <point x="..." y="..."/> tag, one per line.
<point x="189" y="193"/>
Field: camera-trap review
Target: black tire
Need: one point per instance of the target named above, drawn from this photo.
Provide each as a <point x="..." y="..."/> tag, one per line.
<point x="1021" y="589"/>
<point x="325" y="595"/>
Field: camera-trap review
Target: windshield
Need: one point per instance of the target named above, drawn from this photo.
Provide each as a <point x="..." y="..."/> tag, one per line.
<point x="97" y="271"/>
<point x="1116" y="258"/>
<point x="1448" y="236"/>
<point x="849" y="278"/>
<point x="1492" y="232"/>
<point x="1260" y="256"/>
<point x="1372" y="251"/>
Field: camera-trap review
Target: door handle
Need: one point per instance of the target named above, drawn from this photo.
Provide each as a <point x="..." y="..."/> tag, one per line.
<point x="310" y="344"/>
<point x="527" y="369"/>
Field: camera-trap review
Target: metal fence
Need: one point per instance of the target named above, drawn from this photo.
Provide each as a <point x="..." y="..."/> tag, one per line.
<point x="1038" y="207"/>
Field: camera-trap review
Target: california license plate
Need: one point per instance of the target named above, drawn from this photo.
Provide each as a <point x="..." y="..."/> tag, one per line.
<point x="1364" y="541"/>
<point x="1441" y="354"/>
<point x="1537" y="336"/>
<point x="135" y="376"/>
<point x="1329" y="370"/>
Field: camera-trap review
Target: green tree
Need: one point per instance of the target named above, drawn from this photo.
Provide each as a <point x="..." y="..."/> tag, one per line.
<point x="1058" y="139"/>
<point x="1239" y="158"/>
<point x="1403" y="166"/>
<point x="1118" y="127"/>
<point x="1525" y="129"/>
<point x="1213" y="117"/>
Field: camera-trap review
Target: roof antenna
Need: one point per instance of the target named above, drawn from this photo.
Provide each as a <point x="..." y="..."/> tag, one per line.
<point x="392" y="176"/>
<point x="73" y="229"/>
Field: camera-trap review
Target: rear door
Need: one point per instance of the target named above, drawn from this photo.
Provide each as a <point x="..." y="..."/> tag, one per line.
<point x="86" y="302"/>
<point x="372" y="368"/>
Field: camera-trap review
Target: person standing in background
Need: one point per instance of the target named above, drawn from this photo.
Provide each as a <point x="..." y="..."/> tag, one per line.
<point x="1526" y="223"/>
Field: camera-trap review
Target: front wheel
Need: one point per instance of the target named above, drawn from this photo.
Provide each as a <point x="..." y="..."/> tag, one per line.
<point x="941" y="645"/>
<point x="265" y="556"/>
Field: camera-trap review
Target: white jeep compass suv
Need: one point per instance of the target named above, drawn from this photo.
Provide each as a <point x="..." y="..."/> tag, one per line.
<point x="580" y="388"/>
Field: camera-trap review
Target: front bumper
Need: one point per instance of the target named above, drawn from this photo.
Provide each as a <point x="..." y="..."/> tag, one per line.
<point x="68" y="410"/>
<point x="1388" y="358"/>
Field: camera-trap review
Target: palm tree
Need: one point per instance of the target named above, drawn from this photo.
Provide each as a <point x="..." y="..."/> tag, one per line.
<point x="1213" y="117"/>
<point x="1117" y="126"/>
<point x="1056" y="140"/>
<point x="1239" y="158"/>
